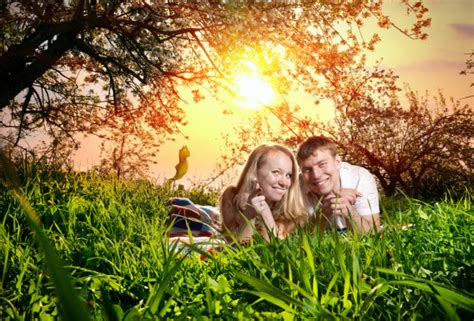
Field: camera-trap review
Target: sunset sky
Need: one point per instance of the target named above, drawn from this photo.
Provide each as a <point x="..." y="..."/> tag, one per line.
<point x="425" y="65"/>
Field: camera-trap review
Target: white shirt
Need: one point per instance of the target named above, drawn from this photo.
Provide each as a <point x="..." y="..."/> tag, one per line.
<point x="360" y="179"/>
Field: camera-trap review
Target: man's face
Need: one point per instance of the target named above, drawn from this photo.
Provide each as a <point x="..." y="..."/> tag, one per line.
<point x="321" y="172"/>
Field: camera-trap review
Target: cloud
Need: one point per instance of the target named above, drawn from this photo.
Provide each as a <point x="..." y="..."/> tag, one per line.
<point x="465" y="29"/>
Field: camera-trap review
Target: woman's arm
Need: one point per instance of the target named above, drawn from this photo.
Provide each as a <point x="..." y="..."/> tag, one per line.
<point x="238" y="216"/>
<point x="229" y="218"/>
<point x="260" y="205"/>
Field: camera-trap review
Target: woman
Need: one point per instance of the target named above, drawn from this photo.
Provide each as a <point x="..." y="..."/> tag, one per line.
<point x="267" y="196"/>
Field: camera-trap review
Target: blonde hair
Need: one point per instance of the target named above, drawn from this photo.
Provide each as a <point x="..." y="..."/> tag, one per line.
<point x="289" y="209"/>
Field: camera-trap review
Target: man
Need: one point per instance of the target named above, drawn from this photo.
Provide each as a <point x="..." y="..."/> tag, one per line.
<point x="337" y="193"/>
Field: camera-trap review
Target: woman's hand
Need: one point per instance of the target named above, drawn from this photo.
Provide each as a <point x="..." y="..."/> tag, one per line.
<point x="254" y="204"/>
<point x="260" y="205"/>
<point x="244" y="201"/>
<point x="257" y="201"/>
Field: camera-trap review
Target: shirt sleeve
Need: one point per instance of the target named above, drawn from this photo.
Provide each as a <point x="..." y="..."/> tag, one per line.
<point x="368" y="203"/>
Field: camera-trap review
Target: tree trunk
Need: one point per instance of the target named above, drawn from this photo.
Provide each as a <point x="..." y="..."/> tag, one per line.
<point x="14" y="81"/>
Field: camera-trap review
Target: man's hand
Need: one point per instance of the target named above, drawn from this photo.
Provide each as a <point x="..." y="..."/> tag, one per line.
<point x="348" y="193"/>
<point x="334" y="205"/>
<point x="341" y="202"/>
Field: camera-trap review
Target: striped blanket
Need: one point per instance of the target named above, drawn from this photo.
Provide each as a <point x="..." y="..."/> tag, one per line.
<point x="194" y="224"/>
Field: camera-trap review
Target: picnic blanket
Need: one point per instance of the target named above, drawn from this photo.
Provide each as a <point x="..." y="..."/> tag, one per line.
<point x="194" y="224"/>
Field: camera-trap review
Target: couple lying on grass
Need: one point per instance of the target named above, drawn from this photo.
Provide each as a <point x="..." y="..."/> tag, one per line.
<point x="273" y="196"/>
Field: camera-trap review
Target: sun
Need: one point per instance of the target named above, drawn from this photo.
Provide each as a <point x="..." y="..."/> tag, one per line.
<point x="253" y="92"/>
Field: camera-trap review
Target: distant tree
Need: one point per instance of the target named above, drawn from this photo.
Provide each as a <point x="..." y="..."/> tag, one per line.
<point x="424" y="149"/>
<point x="72" y="66"/>
<point x="128" y="152"/>
<point x="469" y="69"/>
<point x="49" y="159"/>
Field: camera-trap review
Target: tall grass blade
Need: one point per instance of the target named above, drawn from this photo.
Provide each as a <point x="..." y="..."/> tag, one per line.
<point x="110" y="311"/>
<point x="462" y="300"/>
<point x="155" y="299"/>
<point x="271" y="293"/>
<point x="452" y="296"/>
<point x="310" y="259"/>
<point x="70" y="305"/>
<point x="356" y="273"/>
<point x="309" y="253"/>
<point x="448" y="308"/>
<point x="332" y="283"/>
<point x="273" y="299"/>
<point x="198" y="250"/>
<point x="373" y="294"/>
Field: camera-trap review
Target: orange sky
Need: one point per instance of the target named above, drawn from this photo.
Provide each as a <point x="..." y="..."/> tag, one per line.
<point x="425" y="65"/>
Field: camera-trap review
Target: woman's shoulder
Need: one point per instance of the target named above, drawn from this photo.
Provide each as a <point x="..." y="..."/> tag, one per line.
<point x="227" y="198"/>
<point x="228" y="194"/>
<point x="230" y="190"/>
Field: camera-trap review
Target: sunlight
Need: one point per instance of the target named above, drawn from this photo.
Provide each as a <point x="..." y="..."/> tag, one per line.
<point x="253" y="92"/>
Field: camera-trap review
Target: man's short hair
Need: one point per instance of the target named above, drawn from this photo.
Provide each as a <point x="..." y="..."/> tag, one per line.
<point x="311" y="144"/>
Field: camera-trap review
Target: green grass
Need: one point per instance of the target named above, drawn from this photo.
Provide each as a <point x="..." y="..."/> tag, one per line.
<point x="109" y="241"/>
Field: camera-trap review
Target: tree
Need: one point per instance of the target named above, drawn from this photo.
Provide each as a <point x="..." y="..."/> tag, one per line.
<point x="422" y="148"/>
<point x="129" y="151"/>
<point x="76" y="66"/>
<point x="468" y="70"/>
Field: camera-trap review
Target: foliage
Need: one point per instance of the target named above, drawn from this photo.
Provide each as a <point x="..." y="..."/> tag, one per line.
<point x="93" y="66"/>
<point x="469" y="67"/>
<point x="49" y="158"/>
<point x="424" y="149"/>
<point x="112" y="234"/>
<point x="128" y="152"/>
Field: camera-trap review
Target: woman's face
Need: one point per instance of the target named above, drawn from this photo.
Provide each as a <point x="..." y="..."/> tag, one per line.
<point x="274" y="175"/>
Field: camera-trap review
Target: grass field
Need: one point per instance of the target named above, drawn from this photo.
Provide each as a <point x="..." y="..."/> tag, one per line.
<point x="110" y="237"/>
